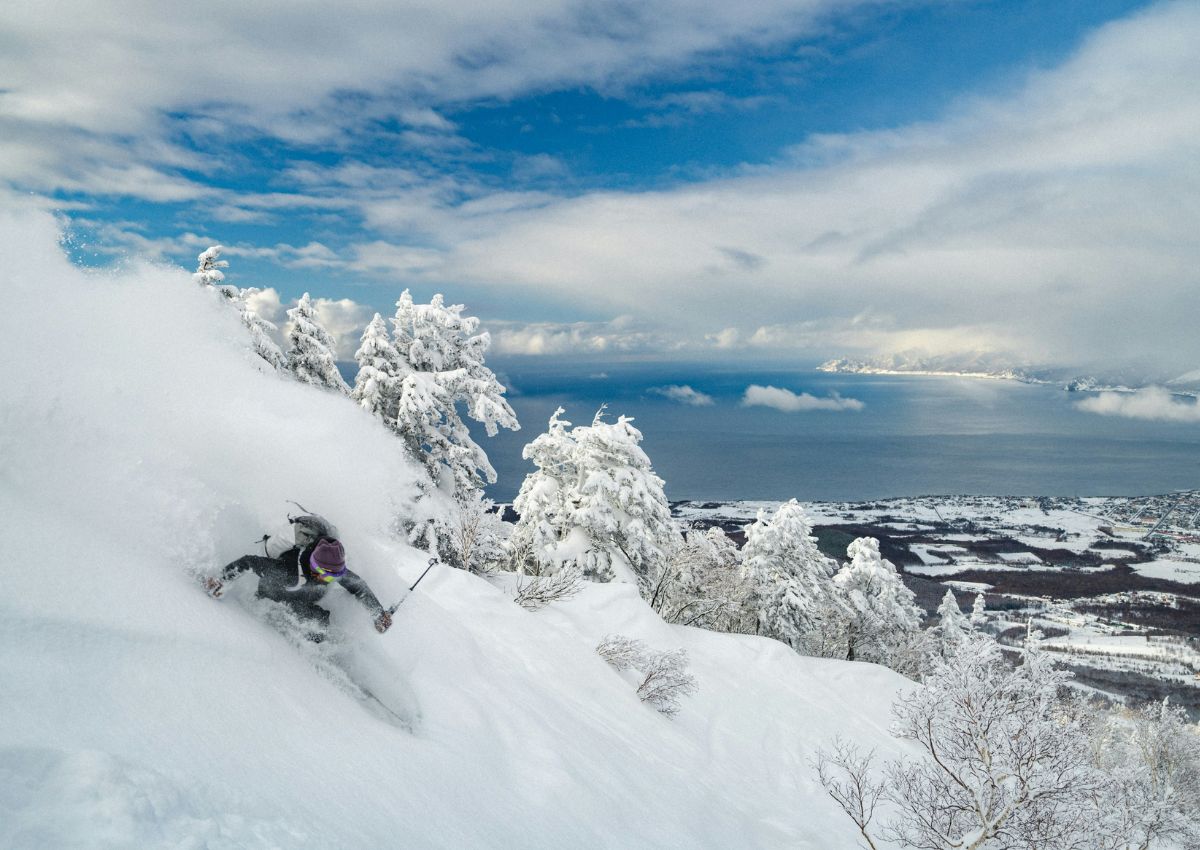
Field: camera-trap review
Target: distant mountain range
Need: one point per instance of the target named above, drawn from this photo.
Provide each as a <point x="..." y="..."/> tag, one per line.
<point x="1002" y="368"/>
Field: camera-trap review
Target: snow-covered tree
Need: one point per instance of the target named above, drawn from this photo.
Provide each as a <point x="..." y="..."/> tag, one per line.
<point x="375" y="386"/>
<point x="793" y="592"/>
<point x="209" y="265"/>
<point x="543" y="503"/>
<point x="620" y="505"/>
<point x="310" y="356"/>
<point x="440" y="360"/>
<point x="978" y="613"/>
<point x="594" y="502"/>
<point x="1004" y="766"/>
<point x="952" y="625"/>
<point x="703" y="584"/>
<point x="260" y="330"/>
<point x="209" y="275"/>
<point x="1151" y="760"/>
<point x="477" y="535"/>
<point x="881" y="615"/>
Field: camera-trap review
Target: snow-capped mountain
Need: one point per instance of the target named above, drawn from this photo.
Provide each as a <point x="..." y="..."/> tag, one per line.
<point x="973" y="364"/>
<point x="145" y="444"/>
<point x="1010" y="368"/>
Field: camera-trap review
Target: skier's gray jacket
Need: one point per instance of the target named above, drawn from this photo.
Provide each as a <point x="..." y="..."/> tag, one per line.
<point x="277" y="577"/>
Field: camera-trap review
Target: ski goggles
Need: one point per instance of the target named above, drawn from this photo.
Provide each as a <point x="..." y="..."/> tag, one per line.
<point x="326" y="576"/>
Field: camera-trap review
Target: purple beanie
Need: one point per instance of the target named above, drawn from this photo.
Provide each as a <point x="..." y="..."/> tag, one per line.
<point x="329" y="557"/>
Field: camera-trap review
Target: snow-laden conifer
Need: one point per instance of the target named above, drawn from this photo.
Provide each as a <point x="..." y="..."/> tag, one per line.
<point x="440" y="358"/>
<point x="952" y="625"/>
<point x="209" y="275"/>
<point x="260" y="330"/>
<point x="620" y="505"/>
<point x="209" y="265"/>
<point x="880" y="612"/>
<point x="793" y="582"/>
<point x="593" y="501"/>
<point x="978" y="613"/>
<point x="542" y="504"/>
<point x="376" y="389"/>
<point x="310" y="355"/>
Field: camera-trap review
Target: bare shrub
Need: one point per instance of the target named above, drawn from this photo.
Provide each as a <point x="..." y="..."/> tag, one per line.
<point x="665" y="677"/>
<point x="477" y="535"/>
<point x="621" y="652"/>
<point x="856" y="792"/>
<point x="536" y="592"/>
<point x="667" y="680"/>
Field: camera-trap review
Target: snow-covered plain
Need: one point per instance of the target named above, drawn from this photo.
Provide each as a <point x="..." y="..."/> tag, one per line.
<point x="1184" y="572"/>
<point x="141" y="444"/>
<point x="1079" y="526"/>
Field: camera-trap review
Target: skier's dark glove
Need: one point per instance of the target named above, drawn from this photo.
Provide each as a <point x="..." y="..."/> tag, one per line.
<point x="213" y="588"/>
<point x="383" y="622"/>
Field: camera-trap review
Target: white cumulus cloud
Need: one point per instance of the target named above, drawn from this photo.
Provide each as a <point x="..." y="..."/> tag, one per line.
<point x="790" y="402"/>
<point x="343" y="318"/>
<point x="1011" y="222"/>
<point x="1149" y="403"/>
<point x="683" y="394"/>
<point x="80" y="81"/>
<point x="620" y="336"/>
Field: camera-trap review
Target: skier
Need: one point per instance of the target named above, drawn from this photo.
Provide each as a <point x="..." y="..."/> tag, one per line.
<point x="301" y="576"/>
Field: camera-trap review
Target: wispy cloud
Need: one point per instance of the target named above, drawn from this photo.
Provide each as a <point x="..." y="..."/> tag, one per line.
<point x="622" y="335"/>
<point x="790" y="402"/>
<point x="679" y="108"/>
<point x="80" y="81"/>
<point x="1054" y="209"/>
<point x="390" y="259"/>
<point x="683" y="394"/>
<point x="1150" y="403"/>
<point x="1035" y="209"/>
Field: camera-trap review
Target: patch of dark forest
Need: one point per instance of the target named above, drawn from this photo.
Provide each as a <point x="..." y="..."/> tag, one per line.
<point x="1065" y="584"/>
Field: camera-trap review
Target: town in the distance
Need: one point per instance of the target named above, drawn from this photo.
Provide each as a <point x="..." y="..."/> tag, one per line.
<point x="1112" y="584"/>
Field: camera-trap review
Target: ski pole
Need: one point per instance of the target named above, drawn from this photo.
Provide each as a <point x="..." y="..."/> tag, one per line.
<point x="392" y="610"/>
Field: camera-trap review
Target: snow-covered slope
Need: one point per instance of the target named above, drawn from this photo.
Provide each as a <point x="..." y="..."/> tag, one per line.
<point x="140" y="442"/>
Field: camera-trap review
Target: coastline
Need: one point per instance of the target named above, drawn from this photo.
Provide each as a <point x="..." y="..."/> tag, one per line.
<point x="1071" y="385"/>
<point x="933" y="373"/>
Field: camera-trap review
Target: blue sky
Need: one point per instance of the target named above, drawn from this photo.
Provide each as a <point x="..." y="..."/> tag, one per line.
<point x="872" y="71"/>
<point x="786" y="180"/>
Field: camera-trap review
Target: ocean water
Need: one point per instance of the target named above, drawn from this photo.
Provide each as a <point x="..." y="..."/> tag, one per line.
<point x="914" y="435"/>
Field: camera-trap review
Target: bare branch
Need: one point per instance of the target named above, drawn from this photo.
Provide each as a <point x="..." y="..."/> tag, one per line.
<point x="667" y="680"/>
<point x="846" y="776"/>
<point x="536" y="592"/>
